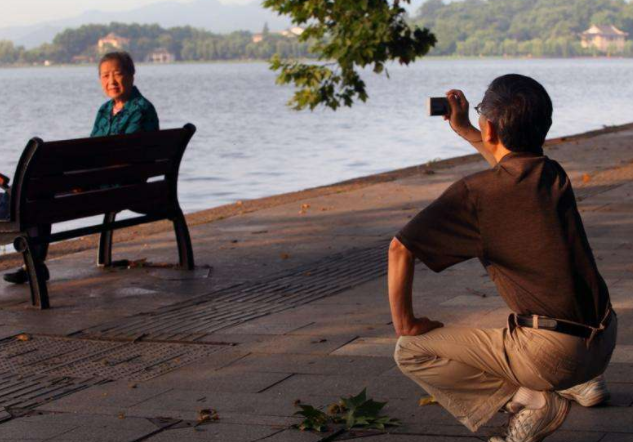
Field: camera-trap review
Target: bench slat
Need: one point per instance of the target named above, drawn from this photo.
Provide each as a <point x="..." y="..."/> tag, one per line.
<point x="45" y="187"/>
<point x="146" y="196"/>
<point x="50" y="163"/>
<point x="103" y="145"/>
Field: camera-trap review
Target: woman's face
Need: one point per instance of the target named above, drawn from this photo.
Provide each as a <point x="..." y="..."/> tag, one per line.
<point x="116" y="83"/>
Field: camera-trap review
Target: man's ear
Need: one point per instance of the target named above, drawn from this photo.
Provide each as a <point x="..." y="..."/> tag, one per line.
<point x="491" y="135"/>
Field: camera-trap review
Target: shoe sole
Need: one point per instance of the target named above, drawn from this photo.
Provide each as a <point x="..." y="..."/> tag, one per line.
<point x="554" y="424"/>
<point x="588" y="401"/>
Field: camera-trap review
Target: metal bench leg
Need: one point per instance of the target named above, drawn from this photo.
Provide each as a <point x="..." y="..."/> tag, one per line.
<point x="185" y="251"/>
<point x="35" y="271"/>
<point x="105" y="242"/>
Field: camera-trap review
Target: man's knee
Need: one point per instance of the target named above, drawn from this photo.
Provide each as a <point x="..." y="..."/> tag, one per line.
<point x="409" y="356"/>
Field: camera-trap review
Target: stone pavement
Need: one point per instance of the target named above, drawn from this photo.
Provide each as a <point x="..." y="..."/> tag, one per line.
<point x="288" y="302"/>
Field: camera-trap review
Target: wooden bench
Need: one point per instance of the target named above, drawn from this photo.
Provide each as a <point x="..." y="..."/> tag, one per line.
<point x="66" y="180"/>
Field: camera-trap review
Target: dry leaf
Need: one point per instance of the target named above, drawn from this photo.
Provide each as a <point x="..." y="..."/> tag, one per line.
<point x="305" y="206"/>
<point x="23" y="337"/>
<point x="427" y="400"/>
<point x="284" y="255"/>
<point x="207" y="415"/>
<point x="334" y="408"/>
<point x="586" y="177"/>
<point x="121" y="415"/>
<point x="137" y="263"/>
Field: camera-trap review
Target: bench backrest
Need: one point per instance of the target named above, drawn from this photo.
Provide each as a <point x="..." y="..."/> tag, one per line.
<point x="65" y="180"/>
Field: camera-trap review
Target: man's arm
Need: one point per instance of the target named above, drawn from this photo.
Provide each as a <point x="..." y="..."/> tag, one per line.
<point x="460" y="123"/>
<point x="401" y="267"/>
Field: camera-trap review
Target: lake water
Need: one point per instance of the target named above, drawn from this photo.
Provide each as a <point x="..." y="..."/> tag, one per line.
<point x="249" y="144"/>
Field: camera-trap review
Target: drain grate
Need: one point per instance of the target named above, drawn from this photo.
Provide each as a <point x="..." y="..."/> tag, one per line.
<point x="28" y="391"/>
<point x="193" y="320"/>
<point x="72" y="358"/>
<point x="44" y="369"/>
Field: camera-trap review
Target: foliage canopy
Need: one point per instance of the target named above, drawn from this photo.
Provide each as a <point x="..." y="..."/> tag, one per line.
<point x="520" y="27"/>
<point x="185" y="43"/>
<point x="346" y="35"/>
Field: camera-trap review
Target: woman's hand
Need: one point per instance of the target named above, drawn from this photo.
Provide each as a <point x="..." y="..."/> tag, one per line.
<point x="418" y="326"/>
<point x="458" y="118"/>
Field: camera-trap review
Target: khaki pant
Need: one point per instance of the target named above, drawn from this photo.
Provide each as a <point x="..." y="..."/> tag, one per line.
<point x="473" y="373"/>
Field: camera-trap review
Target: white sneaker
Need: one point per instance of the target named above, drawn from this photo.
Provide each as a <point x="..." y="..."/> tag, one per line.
<point x="535" y="425"/>
<point x="588" y="394"/>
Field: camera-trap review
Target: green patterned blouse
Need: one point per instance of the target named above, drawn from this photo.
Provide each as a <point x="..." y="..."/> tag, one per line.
<point x="138" y="115"/>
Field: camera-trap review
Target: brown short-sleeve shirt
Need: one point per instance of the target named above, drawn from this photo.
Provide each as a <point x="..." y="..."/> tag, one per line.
<point x="520" y="219"/>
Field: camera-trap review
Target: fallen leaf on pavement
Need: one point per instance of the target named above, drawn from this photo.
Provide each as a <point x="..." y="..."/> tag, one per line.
<point x="427" y="400"/>
<point x="207" y="415"/>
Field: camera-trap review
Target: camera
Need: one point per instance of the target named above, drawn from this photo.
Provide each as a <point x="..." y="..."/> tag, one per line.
<point x="438" y="107"/>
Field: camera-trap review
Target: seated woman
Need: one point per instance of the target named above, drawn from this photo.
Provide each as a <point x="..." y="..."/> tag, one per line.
<point x="126" y="112"/>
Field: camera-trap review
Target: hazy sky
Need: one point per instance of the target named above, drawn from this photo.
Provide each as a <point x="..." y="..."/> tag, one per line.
<point x="28" y="12"/>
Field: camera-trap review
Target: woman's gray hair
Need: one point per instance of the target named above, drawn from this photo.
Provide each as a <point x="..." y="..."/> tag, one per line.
<point x="124" y="59"/>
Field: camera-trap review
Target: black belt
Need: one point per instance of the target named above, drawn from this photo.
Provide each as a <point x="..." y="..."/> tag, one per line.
<point x="545" y="323"/>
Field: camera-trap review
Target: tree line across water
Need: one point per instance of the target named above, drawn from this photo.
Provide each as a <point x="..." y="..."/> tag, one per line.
<point x="538" y="28"/>
<point x="185" y="43"/>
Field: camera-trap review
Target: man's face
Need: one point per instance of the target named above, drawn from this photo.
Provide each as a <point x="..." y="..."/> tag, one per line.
<point x="115" y="82"/>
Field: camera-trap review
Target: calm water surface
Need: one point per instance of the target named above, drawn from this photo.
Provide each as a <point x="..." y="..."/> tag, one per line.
<point x="249" y="144"/>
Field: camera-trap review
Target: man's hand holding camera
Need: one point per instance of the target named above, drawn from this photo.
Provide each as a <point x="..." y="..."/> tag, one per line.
<point x="458" y="118"/>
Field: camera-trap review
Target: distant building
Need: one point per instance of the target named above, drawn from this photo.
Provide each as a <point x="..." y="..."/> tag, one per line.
<point x="295" y="31"/>
<point x="83" y="59"/>
<point x="112" y="42"/>
<point x="258" y="38"/>
<point x="605" y="38"/>
<point x="160" y="55"/>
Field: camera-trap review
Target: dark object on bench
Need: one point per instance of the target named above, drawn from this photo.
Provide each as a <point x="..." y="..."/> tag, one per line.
<point x="66" y="180"/>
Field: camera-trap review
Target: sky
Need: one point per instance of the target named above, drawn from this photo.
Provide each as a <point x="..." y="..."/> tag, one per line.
<point x="30" y="12"/>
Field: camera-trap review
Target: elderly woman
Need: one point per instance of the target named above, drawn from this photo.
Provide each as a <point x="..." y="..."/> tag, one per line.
<point x="126" y="112"/>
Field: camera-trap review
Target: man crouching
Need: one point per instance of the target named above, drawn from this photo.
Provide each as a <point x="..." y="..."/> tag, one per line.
<point x="520" y="219"/>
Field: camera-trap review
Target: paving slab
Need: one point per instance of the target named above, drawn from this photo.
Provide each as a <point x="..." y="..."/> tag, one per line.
<point x="217" y="432"/>
<point x="332" y="364"/>
<point x="24" y="429"/>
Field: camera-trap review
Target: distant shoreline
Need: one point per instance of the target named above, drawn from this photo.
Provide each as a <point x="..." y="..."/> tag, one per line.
<point x="255" y="61"/>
